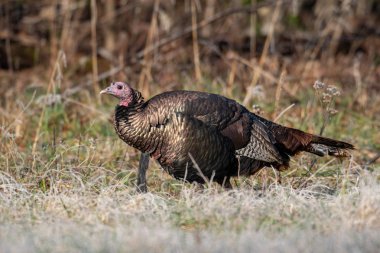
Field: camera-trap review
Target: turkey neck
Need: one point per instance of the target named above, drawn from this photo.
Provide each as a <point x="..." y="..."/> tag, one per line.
<point x="132" y="126"/>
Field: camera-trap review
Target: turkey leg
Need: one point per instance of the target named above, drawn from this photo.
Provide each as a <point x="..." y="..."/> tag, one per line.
<point x="141" y="173"/>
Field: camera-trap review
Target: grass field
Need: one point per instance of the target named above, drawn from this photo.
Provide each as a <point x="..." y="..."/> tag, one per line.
<point x="76" y="192"/>
<point x="67" y="182"/>
<point x="116" y="219"/>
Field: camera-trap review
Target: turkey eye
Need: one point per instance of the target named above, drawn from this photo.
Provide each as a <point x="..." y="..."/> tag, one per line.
<point x="119" y="87"/>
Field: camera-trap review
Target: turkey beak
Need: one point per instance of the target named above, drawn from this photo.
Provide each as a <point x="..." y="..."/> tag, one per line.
<point x="106" y="91"/>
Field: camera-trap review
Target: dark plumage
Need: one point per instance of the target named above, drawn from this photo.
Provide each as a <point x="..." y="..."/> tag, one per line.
<point x="188" y="131"/>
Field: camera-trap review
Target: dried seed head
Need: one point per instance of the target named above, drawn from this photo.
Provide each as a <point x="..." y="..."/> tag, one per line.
<point x="326" y="98"/>
<point x="332" y="111"/>
<point x="256" y="109"/>
<point x="333" y="91"/>
<point x="257" y="92"/>
<point x="49" y="99"/>
<point x="318" y="85"/>
<point x="92" y="142"/>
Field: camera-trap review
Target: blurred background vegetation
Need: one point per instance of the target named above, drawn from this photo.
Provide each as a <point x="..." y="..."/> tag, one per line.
<point x="55" y="56"/>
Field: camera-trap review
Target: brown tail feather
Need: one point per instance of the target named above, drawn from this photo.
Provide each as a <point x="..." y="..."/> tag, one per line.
<point x="325" y="146"/>
<point x="292" y="141"/>
<point x="331" y="142"/>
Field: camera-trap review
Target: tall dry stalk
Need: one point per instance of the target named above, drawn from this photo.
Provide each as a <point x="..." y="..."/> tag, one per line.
<point x="278" y="93"/>
<point x="53" y="75"/>
<point x="94" y="15"/>
<point x="8" y="44"/>
<point x="53" y="41"/>
<point x="197" y="68"/>
<point x="326" y="95"/>
<point x="209" y="12"/>
<point x="145" y="74"/>
<point x="231" y="78"/>
<point x="257" y="74"/>
<point x="109" y="35"/>
<point x="65" y="39"/>
<point x="252" y="35"/>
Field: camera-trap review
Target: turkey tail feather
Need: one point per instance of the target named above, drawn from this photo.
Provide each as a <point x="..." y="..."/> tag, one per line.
<point x="292" y="141"/>
<point x="325" y="146"/>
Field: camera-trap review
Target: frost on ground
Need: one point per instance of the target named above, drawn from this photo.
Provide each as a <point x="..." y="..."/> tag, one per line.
<point x="116" y="219"/>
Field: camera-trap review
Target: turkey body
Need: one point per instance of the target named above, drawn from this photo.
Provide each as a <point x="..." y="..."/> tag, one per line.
<point x="198" y="136"/>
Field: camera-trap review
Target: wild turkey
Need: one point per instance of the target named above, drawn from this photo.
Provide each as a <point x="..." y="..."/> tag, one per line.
<point x="198" y="136"/>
